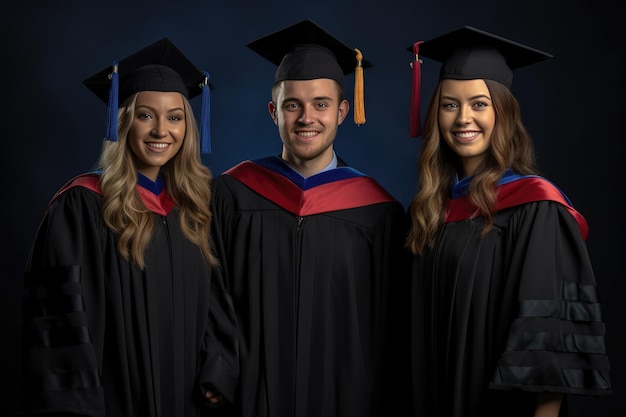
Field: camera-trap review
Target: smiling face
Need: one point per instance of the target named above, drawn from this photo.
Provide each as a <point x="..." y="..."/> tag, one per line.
<point x="308" y="114"/>
<point x="466" y="120"/>
<point x="157" y="130"/>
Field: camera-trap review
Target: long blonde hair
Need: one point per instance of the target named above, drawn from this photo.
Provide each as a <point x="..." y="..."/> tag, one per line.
<point x="511" y="147"/>
<point x="187" y="181"/>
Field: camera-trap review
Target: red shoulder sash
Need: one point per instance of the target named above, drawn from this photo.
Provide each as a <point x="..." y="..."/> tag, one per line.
<point x="332" y="196"/>
<point x="515" y="193"/>
<point x="160" y="204"/>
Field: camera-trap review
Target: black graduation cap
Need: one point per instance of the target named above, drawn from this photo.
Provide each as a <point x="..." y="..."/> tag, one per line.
<point x="305" y="51"/>
<point x="160" y="66"/>
<point x="469" y="53"/>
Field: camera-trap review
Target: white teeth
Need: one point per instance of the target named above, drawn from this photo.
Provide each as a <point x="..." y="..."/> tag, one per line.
<point x="466" y="134"/>
<point x="158" y="145"/>
<point x="307" y="134"/>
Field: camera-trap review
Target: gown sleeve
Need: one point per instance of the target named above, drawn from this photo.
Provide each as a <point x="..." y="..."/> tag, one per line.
<point x="556" y="340"/>
<point x="59" y="352"/>
<point x="220" y="369"/>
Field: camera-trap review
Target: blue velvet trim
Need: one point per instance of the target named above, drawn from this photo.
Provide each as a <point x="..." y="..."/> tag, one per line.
<point x="461" y="187"/>
<point x="277" y="165"/>
<point x="155" y="187"/>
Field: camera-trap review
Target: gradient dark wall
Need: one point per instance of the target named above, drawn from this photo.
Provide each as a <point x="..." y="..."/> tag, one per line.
<point x="573" y="106"/>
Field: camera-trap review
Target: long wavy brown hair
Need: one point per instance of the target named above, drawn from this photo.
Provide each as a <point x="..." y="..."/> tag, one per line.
<point x="187" y="180"/>
<point x="511" y="147"/>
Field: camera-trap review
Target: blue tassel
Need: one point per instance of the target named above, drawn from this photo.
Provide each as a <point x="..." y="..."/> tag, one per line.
<point x="205" y="116"/>
<point x="113" y="105"/>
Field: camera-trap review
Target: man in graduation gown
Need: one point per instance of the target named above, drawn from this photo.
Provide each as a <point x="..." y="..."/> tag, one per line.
<point x="313" y="253"/>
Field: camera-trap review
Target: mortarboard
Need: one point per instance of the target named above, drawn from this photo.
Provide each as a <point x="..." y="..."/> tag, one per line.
<point x="305" y="51"/>
<point x="468" y="54"/>
<point x="160" y="66"/>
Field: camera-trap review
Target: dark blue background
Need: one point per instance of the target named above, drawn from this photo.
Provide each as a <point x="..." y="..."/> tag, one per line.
<point x="573" y="106"/>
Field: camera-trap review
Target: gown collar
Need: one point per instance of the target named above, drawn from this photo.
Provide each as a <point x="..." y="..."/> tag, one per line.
<point x="460" y="187"/>
<point x="155" y="187"/>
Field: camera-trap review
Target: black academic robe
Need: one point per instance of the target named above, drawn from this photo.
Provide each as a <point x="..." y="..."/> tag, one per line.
<point x="501" y="318"/>
<point x="104" y="338"/>
<point x="316" y="270"/>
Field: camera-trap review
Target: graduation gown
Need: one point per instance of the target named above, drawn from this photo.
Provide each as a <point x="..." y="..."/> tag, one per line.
<point x="104" y="338"/>
<point x="316" y="270"/>
<point x="501" y="318"/>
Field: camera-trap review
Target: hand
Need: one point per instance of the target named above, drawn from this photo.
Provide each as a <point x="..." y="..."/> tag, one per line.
<point x="214" y="398"/>
<point x="548" y="404"/>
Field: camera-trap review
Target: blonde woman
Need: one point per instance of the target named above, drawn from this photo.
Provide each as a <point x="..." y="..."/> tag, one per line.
<point x="123" y="295"/>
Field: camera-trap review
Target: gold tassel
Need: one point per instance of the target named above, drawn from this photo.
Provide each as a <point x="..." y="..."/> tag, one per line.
<point x="359" y="102"/>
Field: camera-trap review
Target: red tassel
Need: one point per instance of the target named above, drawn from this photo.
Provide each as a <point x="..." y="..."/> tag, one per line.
<point x="416" y="82"/>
